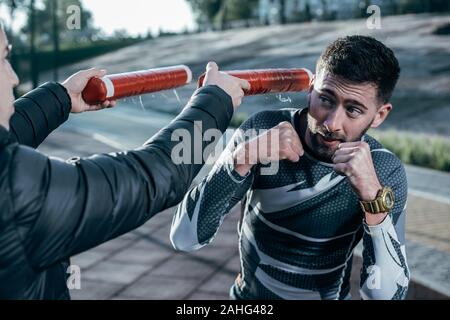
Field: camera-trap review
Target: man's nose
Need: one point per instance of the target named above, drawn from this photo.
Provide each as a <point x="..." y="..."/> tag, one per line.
<point x="15" y="79"/>
<point x="333" y="122"/>
<point x="13" y="76"/>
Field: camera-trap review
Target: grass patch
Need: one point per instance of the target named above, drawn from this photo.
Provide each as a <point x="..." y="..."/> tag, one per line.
<point x="417" y="149"/>
<point x="238" y="119"/>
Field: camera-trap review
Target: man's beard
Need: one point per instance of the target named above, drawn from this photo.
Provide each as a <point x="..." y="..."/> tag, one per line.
<point x="321" y="150"/>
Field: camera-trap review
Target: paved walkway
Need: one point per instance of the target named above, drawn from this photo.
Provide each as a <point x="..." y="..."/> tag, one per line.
<point x="143" y="265"/>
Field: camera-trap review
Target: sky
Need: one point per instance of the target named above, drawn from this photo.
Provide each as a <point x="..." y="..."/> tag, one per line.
<point x="135" y="16"/>
<point x="138" y="16"/>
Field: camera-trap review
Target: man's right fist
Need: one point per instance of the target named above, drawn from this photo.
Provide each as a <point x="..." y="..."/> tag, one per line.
<point x="233" y="86"/>
<point x="279" y="143"/>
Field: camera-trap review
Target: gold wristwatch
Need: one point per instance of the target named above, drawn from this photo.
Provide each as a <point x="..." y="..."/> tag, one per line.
<point x="384" y="202"/>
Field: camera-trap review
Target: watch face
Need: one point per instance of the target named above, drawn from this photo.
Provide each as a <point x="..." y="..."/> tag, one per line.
<point x="389" y="199"/>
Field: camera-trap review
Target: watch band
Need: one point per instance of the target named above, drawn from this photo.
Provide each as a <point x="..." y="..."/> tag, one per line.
<point x="373" y="206"/>
<point x="382" y="203"/>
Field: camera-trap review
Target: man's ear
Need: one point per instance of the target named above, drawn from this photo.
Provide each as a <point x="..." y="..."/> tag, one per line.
<point x="381" y="115"/>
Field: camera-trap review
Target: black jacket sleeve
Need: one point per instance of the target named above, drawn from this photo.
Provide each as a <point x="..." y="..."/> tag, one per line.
<point x="64" y="208"/>
<point x="39" y="112"/>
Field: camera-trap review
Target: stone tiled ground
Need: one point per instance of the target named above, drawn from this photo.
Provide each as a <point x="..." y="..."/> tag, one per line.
<point x="143" y="265"/>
<point x="428" y="222"/>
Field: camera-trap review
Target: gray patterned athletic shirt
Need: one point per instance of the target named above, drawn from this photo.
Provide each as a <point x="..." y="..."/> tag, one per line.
<point x="300" y="226"/>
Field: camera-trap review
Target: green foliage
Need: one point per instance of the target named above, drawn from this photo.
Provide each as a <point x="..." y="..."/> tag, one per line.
<point x="206" y="9"/>
<point x="68" y="55"/>
<point x="44" y="23"/>
<point x="240" y="10"/>
<point x="238" y="119"/>
<point x="304" y="15"/>
<point x="217" y="13"/>
<point x="57" y="32"/>
<point x="417" y="149"/>
<point x="418" y="6"/>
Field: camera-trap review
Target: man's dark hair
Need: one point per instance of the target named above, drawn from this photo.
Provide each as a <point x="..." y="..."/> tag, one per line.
<point x="362" y="59"/>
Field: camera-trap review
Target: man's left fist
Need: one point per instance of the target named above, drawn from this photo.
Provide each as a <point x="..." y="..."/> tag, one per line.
<point x="354" y="160"/>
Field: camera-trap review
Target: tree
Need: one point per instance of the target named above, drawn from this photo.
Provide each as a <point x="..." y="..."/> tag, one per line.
<point x="302" y="15"/>
<point x="33" y="56"/>
<point x="218" y="13"/>
<point x="241" y="10"/>
<point x="308" y="15"/>
<point x="45" y="27"/>
<point x="360" y="11"/>
<point x="206" y="10"/>
<point x="12" y="6"/>
<point x="55" y="35"/>
<point x="324" y="9"/>
<point x="417" y="6"/>
<point x="49" y="21"/>
<point x="282" y="12"/>
<point x="122" y="34"/>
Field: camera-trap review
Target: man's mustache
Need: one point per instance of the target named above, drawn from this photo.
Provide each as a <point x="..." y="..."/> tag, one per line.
<point x="330" y="135"/>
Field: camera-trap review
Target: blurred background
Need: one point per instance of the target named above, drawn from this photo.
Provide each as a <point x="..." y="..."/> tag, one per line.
<point x="54" y="38"/>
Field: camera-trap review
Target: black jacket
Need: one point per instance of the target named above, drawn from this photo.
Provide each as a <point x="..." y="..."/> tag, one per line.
<point x="51" y="210"/>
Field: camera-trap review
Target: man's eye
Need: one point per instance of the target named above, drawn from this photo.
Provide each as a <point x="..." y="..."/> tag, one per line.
<point x="325" y="100"/>
<point x="354" y="112"/>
